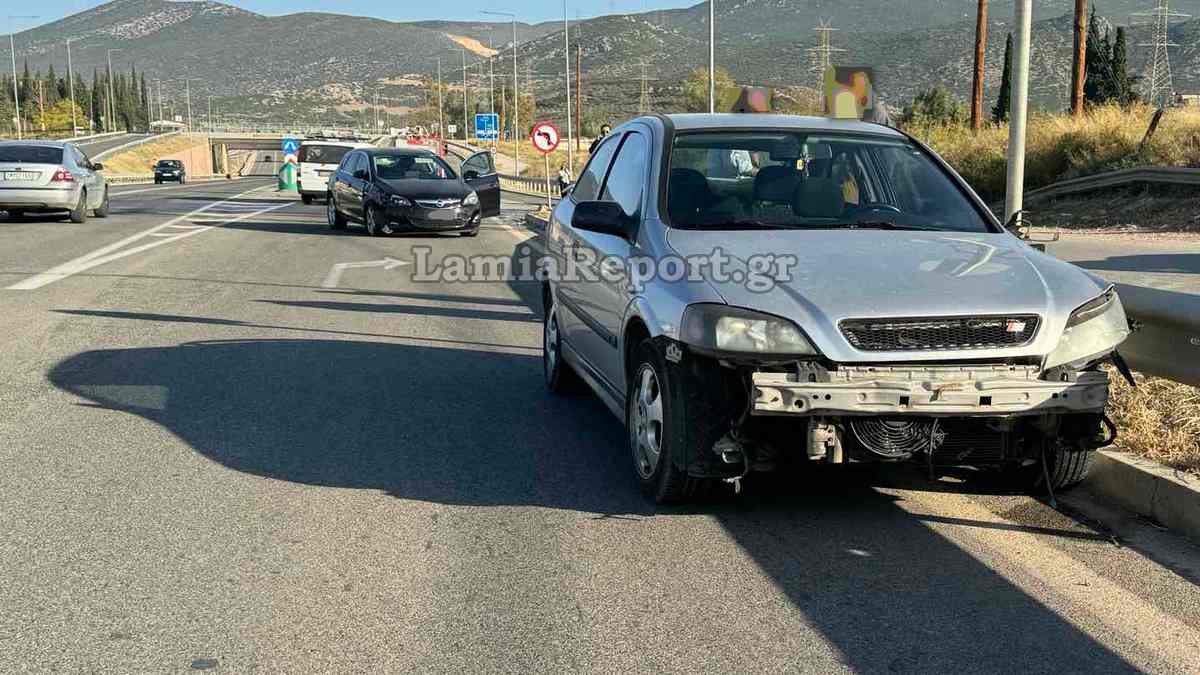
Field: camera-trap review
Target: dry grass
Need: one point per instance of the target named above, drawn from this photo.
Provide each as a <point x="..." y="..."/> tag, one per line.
<point x="536" y="167"/>
<point x="1160" y="420"/>
<point x="140" y="160"/>
<point x="1059" y="146"/>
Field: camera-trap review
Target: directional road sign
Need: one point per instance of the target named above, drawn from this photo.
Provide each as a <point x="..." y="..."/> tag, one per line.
<point x="487" y="126"/>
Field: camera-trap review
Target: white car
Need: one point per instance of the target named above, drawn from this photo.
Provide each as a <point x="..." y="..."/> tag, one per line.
<point x="318" y="161"/>
<point x="47" y="176"/>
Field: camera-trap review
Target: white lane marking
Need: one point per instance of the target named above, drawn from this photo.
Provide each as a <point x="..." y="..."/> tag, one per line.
<point x="160" y="188"/>
<point x="335" y="273"/>
<point x="114" y="251"/>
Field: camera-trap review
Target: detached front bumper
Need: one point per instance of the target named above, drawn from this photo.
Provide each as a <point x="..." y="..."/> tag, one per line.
<point x="928" y="391"/>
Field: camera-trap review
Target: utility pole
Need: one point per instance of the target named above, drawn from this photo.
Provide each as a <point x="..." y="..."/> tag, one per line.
<point x="187" y="85"/>
<point x="210" y="121"/>
<point x="1022" y="23"/>
<point x="466" y="136"/>
<point x="712" y="56"/>
<point x="643" y="100"/>
<point x="980" y="55"/>
<point x="160" y="102"/>
<point x="1159" y="85"/>
<point x="567" y="56"/>
<point x="824" y="52"/>
<point x="491" y="77"/>
<point x="1079" y="58"/>
<point x="441" y="126"/>
<point x="112" y="104"/>
<point x="516" y="89"/>
<point x="71" y="85"/>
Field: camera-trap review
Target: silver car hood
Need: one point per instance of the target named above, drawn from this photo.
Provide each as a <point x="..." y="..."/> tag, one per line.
<point x="851" y="274"/>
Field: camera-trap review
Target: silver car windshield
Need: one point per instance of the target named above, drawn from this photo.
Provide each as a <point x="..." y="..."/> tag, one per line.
<point x="782" y="179"/>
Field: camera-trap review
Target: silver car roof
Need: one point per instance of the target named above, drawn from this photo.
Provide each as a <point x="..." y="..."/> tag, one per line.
<point x="699" y="121"/>
<point x="43" y="144"/>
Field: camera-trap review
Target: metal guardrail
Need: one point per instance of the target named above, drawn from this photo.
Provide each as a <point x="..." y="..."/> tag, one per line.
<point x="1166" y="338"/>
<point x="1162" y="175"/>
<point x="534" y="187"/>
<point x="143" y="179"/>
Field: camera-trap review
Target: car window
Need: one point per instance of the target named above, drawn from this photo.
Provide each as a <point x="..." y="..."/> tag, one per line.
<point x="358" y="163"/>
<point x="403" y="167"/>
<point x="587" y="188"/>
<point x="32" y="154"/>
<point x="627" y="176"/>
<point x="322" y="154"/>
<point x="795" y="179"/>
<point x="480" y="163"/>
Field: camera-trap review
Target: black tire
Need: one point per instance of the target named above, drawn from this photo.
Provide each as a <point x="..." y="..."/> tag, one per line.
<point x="79" y="214"/>
<point x="103" y="210"/>
<point x="307" y="199"/>
<point x="371" y="221"/>
<point x="157" y="181"/>
<point x="336" y="220"/>
<point x="182" y="180"/>
<point x="16" y="216"/>
<point x="1067" y="466"/>
<point x="560" y="377"/>
<point x="679" y="433"/>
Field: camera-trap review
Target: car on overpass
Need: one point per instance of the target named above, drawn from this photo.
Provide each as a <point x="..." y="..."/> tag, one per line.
<point x="318" y="159"/>
<point x="747" y="292"/>
<point x="48" y="177"/>
<point x="414" y="189"/>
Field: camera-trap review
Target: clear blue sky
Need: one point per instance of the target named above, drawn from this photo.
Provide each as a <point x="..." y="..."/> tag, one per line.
<point x="402" y="10"/>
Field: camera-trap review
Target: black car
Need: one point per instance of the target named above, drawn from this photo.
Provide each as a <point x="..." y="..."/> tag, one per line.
<point x="169" y="169"/>
<point x="414" y="189"/>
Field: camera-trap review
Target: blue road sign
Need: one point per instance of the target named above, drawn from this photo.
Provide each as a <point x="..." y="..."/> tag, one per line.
<point x="487" y="126"/>
<point x="291" y="146"/>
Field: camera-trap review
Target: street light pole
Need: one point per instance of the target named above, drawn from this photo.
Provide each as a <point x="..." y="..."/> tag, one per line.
<point x="12" y="47"/>
<point x="1014" y="194"/>
<point x="712" y="57"/>
<point x="516" y="90"/>
<point x="187" y="86"/>
<point x="71" y="85"/>
<point x="466" y="136"/>
<point x="441" y="125"/>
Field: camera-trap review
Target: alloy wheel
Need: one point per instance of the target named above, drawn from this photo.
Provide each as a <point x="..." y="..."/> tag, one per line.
<point x="646" y="424"/>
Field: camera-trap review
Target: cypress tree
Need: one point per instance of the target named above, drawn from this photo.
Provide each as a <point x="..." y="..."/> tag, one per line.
<point x="1124" y="87"/>
<point x="1098" y="85"/>
<point x="1000" y="111"/>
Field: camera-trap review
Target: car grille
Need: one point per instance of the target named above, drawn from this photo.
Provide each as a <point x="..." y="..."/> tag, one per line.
<point x="940" y="333"/>
<point x="436" y="204"/>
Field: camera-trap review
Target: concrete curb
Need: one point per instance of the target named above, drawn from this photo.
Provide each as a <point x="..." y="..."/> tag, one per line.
<point x="1170" y="497"/>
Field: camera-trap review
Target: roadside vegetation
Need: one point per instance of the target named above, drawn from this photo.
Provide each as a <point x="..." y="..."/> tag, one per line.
<point x="139" y="160"/>
<point x="1160" y="420"/>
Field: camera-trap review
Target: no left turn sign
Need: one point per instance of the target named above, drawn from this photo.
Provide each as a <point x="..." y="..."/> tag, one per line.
<point x="545" y="137"/>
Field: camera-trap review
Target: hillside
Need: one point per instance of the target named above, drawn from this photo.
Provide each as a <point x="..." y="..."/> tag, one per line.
<point x="311" y="64"/>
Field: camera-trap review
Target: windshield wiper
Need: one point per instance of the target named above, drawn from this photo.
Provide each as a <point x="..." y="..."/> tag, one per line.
<point x="878" y="225"/>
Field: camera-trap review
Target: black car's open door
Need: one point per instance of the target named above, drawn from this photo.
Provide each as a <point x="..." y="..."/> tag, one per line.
<point x="479" y="171"/>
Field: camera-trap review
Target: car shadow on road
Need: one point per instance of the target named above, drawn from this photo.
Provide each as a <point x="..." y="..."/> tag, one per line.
<point x="412" y="310"/>
<point x="1176" y="263"/>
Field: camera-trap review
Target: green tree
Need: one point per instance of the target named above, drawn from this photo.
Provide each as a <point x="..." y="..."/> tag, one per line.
<point x="695" y="91"/>
<point x="1004" y="99"/>
<point x="1124" y="85"/>
<point x="1098" y="82"/>
<point x="936" y="106"/>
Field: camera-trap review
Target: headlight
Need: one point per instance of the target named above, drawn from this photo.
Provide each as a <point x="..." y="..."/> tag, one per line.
<point x="397" y="200"/>
<point x="470" y="200"/>
<point x="733" y="329"/>
<point x="1094" y="329"/>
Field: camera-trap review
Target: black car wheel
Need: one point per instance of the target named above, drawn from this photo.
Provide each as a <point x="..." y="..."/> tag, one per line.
<point x="560" y="378"/>
<point x="376" y="226"/>
<point x="79" y="214"/>
<point x="336" y="220"/>
<point x="307" y="199"/>
<point x="102" y="210"/>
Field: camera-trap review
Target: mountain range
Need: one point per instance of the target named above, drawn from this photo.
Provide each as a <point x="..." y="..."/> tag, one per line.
<point x="321" y="63"/>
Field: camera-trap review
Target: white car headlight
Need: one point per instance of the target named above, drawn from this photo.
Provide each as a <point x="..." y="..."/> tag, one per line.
<point x="470" y="200"/>
<point x="397" y="200"/>
<point x="733" y="329"/>
<point x="1094" y="329"/>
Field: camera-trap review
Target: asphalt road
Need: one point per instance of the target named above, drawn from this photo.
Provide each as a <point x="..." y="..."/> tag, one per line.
<point x="93" y="148"/>
<point x="1169" y="262"/>
<point x="215" y="460"/>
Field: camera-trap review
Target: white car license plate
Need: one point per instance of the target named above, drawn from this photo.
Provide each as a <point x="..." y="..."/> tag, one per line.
<point x="21" y="175"/>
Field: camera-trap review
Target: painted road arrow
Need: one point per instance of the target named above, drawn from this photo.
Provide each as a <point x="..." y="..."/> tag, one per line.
<point x="335" y="273"/>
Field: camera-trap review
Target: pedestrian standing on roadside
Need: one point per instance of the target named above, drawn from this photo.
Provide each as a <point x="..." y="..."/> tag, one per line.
<point x="604" y="129"/>
<point x="564" y="179"/>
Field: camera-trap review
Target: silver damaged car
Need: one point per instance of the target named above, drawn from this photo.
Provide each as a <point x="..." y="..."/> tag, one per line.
<point x="748" y="292"/>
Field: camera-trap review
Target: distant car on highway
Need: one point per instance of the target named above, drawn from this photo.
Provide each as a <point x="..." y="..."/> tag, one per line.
<point x="318" y="159"/>
<point x="169" y="170"/>
<point x="51" y="176"/>
<point x="752" y="291"/>
<point x="412" y="189"/>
